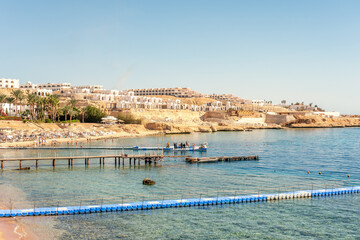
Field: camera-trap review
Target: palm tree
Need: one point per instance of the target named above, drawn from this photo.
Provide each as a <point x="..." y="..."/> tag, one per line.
<point x="41" y="107"/>
<point x="59" y="112"/>
<point x="72" y="103"/>
<point x="32" y="99"/>
<point x="11" y="101"/>
<point x="66" y="110"/>
<point x="17" y="95"/>
<point x="72" y="113"/>
<point x="54" y="102"/>
<point x="2" y="100"/>
<point x="82" y="112"/>
<point x="21" y="98"/>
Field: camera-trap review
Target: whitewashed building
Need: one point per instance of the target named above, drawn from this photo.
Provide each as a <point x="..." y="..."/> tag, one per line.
<point x="43" y="92"/>
<point x="13" y="109"/>
<point x="9" y="83"/>
<point x="28" y="85"/>
<point x="90" y="87"/>
<point x="55" y="86"/>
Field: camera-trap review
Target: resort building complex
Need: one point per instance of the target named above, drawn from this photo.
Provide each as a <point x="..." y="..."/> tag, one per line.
<point x="155" y="98"/>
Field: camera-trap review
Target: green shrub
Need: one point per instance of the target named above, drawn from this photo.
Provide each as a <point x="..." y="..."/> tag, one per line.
<point x="48" y="120"/>
<point x="128" y="118"/>
<point x="25" y="120"/>
<point x="93" y="114"/>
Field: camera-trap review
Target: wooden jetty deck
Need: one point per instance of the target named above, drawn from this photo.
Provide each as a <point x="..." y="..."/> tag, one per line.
<point x="221" y="159"/>
<point x="147" y="158"/>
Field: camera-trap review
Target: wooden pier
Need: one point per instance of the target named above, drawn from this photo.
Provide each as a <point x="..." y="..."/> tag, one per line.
<point x="118" y="159"/>
<point x="221" y="159"/>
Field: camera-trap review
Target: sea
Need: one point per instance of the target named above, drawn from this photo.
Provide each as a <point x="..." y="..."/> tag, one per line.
<point x="290" y="160"/>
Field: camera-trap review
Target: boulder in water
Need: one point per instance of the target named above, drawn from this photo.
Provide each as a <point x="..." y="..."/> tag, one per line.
<point x="148" y="181"/>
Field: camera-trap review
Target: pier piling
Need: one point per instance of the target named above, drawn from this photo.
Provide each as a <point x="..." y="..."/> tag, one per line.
<point x="133" y="159"/>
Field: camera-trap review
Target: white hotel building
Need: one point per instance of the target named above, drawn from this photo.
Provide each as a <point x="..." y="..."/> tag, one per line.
<point x="55" y="86"/>
<point x="34" y="88"/>
<point x="176" y="92"/>
<point x="9" y="83"/>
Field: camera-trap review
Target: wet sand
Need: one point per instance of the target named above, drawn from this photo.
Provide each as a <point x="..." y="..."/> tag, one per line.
<point x="11" y="229"/>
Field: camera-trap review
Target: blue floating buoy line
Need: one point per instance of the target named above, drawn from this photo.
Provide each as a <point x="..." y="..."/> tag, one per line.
<point x="176" y="203"/>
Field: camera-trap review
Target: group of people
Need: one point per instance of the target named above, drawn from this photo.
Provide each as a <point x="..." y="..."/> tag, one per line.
<point x="181" y="145"/>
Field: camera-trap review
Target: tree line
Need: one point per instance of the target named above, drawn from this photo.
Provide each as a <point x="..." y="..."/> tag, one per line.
<point x="48" y="109"/>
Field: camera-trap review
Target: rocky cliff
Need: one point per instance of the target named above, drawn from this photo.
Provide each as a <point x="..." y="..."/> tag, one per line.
<point x="322" y="122"/>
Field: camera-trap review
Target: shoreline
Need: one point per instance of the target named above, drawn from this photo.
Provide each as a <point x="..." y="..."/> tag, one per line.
<point x="49" y="142"/>
<point x="11" y="229"/>
<point x="118" y="135"/>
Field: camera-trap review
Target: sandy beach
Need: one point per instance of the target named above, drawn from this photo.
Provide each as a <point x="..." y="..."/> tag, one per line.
<point x="28" y="135"/>
<point x="11" y="229"/>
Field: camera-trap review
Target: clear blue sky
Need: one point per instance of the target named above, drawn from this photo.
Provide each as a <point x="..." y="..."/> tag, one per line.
<point x="296" y="50"/>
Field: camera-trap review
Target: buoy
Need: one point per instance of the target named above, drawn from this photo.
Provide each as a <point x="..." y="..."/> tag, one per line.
<point x="348" y="175"/>
<point x="319" y="173"/>
<point x="308" y="172"/>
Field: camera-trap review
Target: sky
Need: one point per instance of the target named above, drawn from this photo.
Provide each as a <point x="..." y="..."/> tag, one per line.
<point x="299" y="51"/>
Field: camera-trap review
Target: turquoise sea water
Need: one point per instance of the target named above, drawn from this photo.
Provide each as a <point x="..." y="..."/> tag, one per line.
<point x="285" y="158"/>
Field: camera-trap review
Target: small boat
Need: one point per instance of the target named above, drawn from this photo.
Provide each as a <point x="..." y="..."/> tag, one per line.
<point x="23" y="168"/>
<point x="198" y="149"/>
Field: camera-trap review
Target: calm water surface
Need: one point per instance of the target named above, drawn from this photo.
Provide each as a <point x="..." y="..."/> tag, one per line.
<point x="285" y="158"/>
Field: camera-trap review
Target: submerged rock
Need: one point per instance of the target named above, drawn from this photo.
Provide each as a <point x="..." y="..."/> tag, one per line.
<point x="148" y="181"/>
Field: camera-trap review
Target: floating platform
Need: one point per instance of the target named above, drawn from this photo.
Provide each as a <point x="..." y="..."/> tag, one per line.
<point x="221" y="159"/>
<point x="72" y="210"/>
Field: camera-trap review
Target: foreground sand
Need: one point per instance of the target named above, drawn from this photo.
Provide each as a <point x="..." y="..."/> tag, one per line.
<point x="11" y="229"/>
